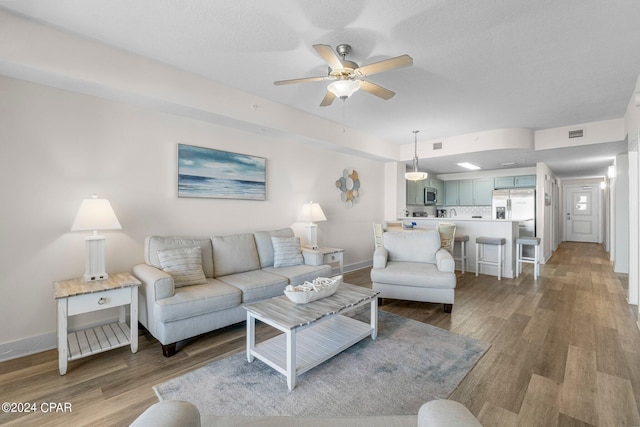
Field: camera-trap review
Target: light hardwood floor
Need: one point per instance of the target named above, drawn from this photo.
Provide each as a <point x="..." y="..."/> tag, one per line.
<point x="565" y="351"/>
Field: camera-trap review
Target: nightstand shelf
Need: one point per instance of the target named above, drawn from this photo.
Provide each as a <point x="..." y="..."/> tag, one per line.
<point x="96" y="340"/>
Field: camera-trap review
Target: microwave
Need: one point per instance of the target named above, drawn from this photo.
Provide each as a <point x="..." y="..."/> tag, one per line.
<point x="430" y="196"/>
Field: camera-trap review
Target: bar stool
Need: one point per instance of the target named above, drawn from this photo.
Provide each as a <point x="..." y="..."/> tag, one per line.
<point x="481" y="241"/>
<point x="535" y="242"/>
<point x="464" y="251"/>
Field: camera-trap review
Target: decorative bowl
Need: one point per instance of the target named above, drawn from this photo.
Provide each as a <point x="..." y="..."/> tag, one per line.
<point x="311" y="291"/>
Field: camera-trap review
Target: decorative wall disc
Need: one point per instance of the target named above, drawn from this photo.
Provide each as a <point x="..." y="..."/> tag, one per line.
<point x="349" y="186"/>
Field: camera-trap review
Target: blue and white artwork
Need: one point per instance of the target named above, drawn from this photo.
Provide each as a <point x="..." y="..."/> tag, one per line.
<point x="205" y="172"/>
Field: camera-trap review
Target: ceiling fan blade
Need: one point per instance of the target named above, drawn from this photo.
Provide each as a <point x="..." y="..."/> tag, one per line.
<point x="328" y="54"/>
<point x="328" y="99"/>
<point x="302" y="80"/>
<point x="387" y="64"/>
<point x="376" y="90"/>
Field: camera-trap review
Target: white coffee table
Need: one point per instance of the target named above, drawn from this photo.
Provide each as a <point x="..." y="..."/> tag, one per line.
<point x="313" y="332"/>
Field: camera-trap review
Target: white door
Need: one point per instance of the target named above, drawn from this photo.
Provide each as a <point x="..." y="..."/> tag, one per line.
<point x="582" y="214"/>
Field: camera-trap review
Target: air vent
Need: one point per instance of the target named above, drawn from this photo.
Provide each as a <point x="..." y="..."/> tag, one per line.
<point x="437" y="145"/>
<point x="577" y="133"/>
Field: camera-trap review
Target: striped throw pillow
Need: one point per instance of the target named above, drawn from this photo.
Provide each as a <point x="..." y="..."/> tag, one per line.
<point x="286" y="251"/>
<point x="184" y="265"/>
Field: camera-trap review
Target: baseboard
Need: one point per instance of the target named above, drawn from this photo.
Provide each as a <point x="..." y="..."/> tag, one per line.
<point x="28" y="346"/>
<point x="358" y="266"/>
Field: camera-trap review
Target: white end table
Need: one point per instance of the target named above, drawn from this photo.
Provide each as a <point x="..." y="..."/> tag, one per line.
<point x="75" y="296"/>
<point x="333" y="256"/>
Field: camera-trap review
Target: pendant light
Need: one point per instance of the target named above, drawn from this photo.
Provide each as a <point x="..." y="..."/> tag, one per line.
<point x="415" y="175"/>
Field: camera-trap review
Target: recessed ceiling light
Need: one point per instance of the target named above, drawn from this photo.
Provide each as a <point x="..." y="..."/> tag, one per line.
<point x="469" y="166"/>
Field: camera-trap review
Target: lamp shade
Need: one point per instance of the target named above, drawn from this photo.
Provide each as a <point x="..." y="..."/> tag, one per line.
<point x="311" y="212"/>
<point x="95" y="214"/>
<point x="343" y="88"/>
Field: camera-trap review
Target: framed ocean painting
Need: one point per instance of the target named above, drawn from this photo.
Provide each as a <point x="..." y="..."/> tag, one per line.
<point x="210" y="173"/>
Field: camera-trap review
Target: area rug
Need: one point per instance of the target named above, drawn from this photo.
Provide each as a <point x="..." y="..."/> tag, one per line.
<point x="407" y="365"/>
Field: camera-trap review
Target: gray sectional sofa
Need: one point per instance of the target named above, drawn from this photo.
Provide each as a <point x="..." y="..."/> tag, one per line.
<point x="195" y="285"/>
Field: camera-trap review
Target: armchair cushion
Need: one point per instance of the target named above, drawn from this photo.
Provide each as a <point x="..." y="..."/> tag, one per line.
<point x="415" y="274"/>
<point x="412" y="246"/>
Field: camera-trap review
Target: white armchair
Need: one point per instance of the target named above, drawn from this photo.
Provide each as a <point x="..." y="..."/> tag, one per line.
<point x="411" y="265"/>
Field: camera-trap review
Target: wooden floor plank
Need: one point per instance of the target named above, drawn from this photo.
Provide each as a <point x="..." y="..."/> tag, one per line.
<point x="495" y="416"/>
<point x="615" y="402"/>
<point x="540" y="407"/>
<point x="578" y="396"/>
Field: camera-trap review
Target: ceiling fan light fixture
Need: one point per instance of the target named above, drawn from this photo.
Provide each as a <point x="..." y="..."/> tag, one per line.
<point x="415" y="175"/>
<point x="343" y="88"/>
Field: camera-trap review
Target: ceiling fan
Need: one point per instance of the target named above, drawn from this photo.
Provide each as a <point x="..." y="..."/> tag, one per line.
<point x="347" y="75"/>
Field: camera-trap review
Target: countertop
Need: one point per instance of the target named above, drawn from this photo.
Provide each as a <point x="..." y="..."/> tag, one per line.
<point x="455" y="218"/>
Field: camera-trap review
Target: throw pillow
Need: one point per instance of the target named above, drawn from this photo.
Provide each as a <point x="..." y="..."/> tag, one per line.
<point x="184" y="265"/>
<point x="286" y="251"/>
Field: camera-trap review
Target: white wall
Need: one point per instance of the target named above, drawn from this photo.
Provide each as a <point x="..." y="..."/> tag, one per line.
<point x="634" y="291"/>
<point x="59" y="147"/>
<point x="395" y="194"/>
<point x="621" y="215"/>
<point x="632" y="127"/>
<point x="545" y="218"/>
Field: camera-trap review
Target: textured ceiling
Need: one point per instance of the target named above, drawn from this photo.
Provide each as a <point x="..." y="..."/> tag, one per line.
<point x="478" y="65"/>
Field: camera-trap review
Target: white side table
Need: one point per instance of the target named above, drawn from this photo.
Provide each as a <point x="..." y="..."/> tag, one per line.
<point x="75" y="296"/>
<point x="333" y="256"/>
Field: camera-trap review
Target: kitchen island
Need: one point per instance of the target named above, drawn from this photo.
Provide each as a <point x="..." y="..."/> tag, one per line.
<point x="475" y="227"/>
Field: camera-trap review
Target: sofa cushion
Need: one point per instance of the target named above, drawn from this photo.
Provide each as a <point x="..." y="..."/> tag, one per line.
<point x="192" y="301"/>
<point x="286" y="251"/>
<point x="298" y="274"/>
<point x="412" y="246"/>
<point x="153" y="244"/>
<point x="411" y="274"/>
<point x="184" y="265"/>
<point x="265" y="245"/>
<point x="257" y="285"/>
<point x="235" y="253"/>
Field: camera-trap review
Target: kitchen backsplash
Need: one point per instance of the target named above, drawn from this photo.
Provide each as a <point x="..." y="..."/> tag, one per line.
<point x="461" y="211"/>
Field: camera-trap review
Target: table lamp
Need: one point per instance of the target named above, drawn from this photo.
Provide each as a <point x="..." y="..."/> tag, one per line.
<point x="309" y="213"/>
<point x="95" y="214"/>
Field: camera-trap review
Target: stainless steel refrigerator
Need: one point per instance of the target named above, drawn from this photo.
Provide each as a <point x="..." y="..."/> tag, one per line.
<point x="518" y="204"/>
